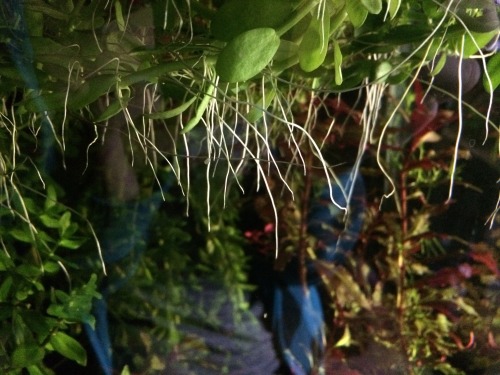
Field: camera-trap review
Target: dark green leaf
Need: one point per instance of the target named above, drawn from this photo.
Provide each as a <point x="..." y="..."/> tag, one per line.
<point x="28" y="271"/>
<point x="39" y="324"/>
<point x="236" y="17"/>
<point x="27" y="355"/>
<point x="479" y="15"/>
<point x="5" y="287"/>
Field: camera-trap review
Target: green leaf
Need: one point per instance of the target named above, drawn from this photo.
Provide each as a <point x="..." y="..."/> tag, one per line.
<point x="174" y="112"/>
<point x="71" y="243"/>
<point x="201" y="109"/>
<point x="258" y="109"/>
<point x="246" y="55"/>
<point x="39" y="324"/>
<point x="115" y="107"/>
<point x="439" y="66"/>
<point x="64" y="221"/>
<point x="27" y="355"/>
<point x="314" y="44"/>
<point x="39" y="370"/>
<point x="51" y="267"/>
<point x="236" y="17"/>
<point x="21" y="235"/>
<point x="120" y="21"/>
<point x="493" y="68"/>
<point x="393" y="7"/>
<point x="49" y="221"/>
<point x="5" y="288"/>
<point x="337" y="60"/>
<point x="373" y="6"/>
<point x="68" y="347"/>
<point x="51" y="199"/>
<point x="383" y="71"/>
<point x="357" y="12"/>
<point x="76" y="306"/>
<point x="479" y="15"/>
<point x="28" y="271"/>
<point x="472" y="42"/>
<point x="90" y="91"/>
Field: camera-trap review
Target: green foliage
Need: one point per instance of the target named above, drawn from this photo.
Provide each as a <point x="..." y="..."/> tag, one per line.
<point x="35" y="309"/>
<point x="247" y="54"/>
<point x="241" y="80"/>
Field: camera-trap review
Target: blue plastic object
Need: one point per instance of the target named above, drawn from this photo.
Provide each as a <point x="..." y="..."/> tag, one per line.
<point x="298" y="321"/>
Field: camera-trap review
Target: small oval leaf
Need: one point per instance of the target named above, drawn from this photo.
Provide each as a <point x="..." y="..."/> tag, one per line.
<point x="68" y="347"/>
<point x="357" y="13"/>
<point x="314" y="44"/>
<point x="246" y="55"/>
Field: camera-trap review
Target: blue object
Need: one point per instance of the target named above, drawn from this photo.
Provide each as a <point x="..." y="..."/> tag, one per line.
<point x="298" y="320"/>
<point x="22" y="55"/>
<point x="125" y="236"/>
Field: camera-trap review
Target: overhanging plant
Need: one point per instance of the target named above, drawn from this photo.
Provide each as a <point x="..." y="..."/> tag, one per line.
<point x="235" y="76"/>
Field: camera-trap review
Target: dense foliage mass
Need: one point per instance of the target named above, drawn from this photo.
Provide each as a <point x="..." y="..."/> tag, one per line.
<point x="172" y="171"/>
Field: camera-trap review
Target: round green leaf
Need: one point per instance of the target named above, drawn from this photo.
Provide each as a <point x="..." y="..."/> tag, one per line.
<point x="236" y="17"/>
<point x="246" y="55"/>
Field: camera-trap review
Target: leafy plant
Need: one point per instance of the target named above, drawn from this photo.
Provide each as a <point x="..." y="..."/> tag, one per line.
<point x="211" y="91"/>
<point x="38" y="315"/>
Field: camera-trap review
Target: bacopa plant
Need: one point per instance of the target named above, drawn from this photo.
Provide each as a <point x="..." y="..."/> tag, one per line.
<point x="300" y="160"/>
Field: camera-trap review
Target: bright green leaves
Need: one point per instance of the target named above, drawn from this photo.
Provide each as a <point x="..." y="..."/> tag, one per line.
<point x="372" y="6"/>
<point x="314" y="44"/>
<point x="236" y="17"/>
<point x="36" y="311"/>
<point x="357" y="12"/>
<point x="68" y="347"/>
<point x="247" y="54"/>
<point x="493" y="68"/>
